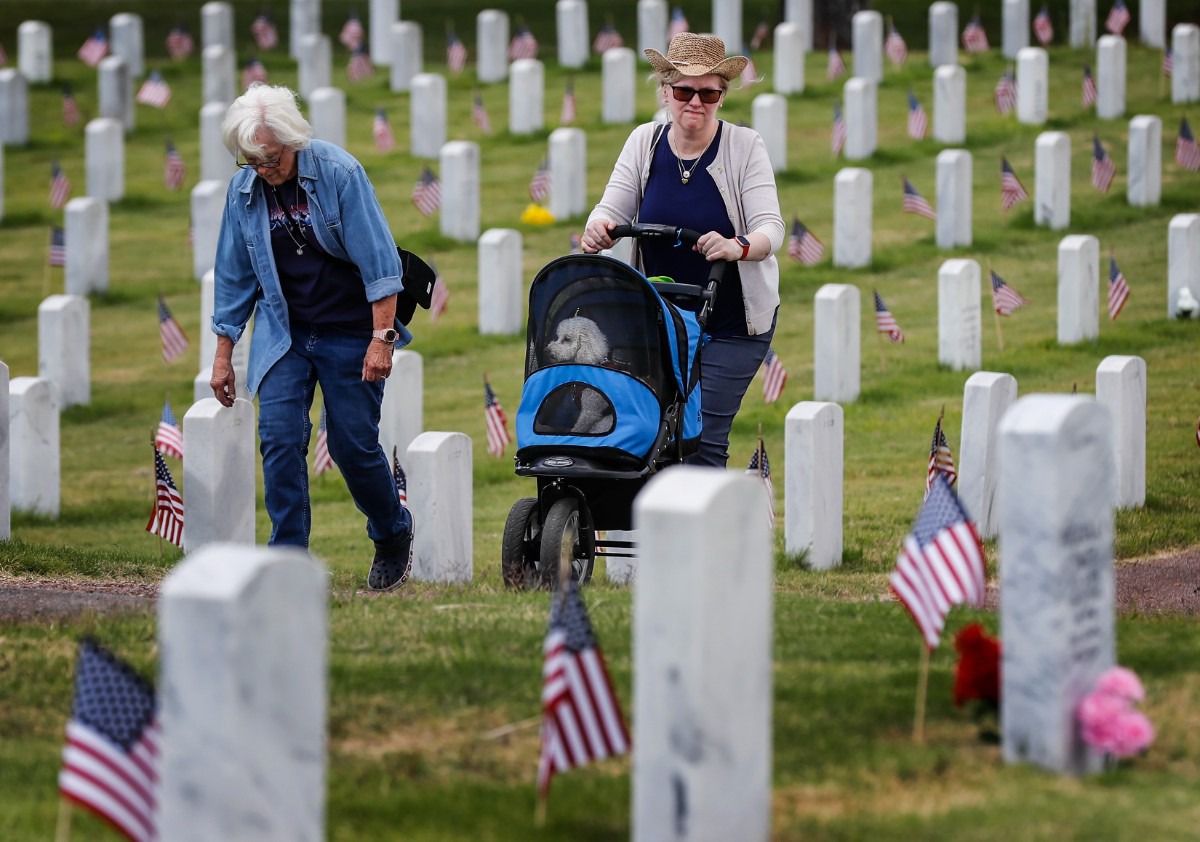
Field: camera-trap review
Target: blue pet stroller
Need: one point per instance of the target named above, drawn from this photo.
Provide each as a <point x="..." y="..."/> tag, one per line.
<point x="611" y="396"/>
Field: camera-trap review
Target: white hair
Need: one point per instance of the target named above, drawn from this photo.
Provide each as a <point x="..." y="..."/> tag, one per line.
<point x="264" y="113"/>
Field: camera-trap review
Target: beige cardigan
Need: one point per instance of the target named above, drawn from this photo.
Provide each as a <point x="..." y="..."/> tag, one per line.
<point x="742" y="172"/>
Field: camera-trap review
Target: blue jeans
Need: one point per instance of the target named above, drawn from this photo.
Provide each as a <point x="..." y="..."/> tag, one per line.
<point x="727" y="365"/>
<point x="333" y="359"/>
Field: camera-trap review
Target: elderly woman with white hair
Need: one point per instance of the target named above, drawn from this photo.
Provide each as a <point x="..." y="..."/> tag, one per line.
<point x="305" y="249"/>
<point x="702" y="173"/>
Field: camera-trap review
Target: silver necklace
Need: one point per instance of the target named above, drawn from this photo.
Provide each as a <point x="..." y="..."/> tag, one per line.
<point x="287" y="226"/>
<point x="685" y="173"/>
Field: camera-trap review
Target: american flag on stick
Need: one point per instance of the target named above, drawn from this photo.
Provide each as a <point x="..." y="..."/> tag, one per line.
<point x="918" y="123"/>
<point x="439" y="299"/>
<point x="941" y="460"/>
<point x="427" y="192"/>
<point x="168" y="440"/>
<point x="456" y="53"/>
<point x="606" y="39"/>
<point x="539" y="185"/>
<point x="322" y="460"/>
<point x="58" y="247"/>
<point x="399" y="479"/>
<point x="1118" y="18"/>
<point x="60" y="186"/>
<point x="760" y="35"/>
<point x="94" y="49"/>
<point x="179" y="43"/>
<point x="1118" y="290"/>
<point x="1103" y="168"/>
<point x="70" y="110"/>
<point x="174" y="341"/>
<point x="581" y="717"/>
<point x="749" y="72"/>
<point x="974" y="38"/>
<point x="941" y="563"/>
<point x="837" y="134"/>
<point x="1087" y="91"/>
<point x="155" y="91"/>
<point x="352" y="33"/>
<point x="1168" y="63"/>
<point x="1043" y="29"/>
<point x="914" y="202"/>
<point x="1005" y="95"/>
<point x="381" y="130"/>
<point x="679" y="23"/>
<point x="1187" y="155"/>
<point x="774" y="376"/>
<point x="254" y="71"/>
<point x="166" y="521"/>
<point x="760" y="467"/>
<point x="263" y="30"/>
<point x="359" y="67"/>
<point x="894" y="46"/>
<point x="479" y="114"/>
<point x="173" y="168"/>
<point x="522" y="45"/>
<point x="496" y="421"/>
<point x="803" y="245"/>
<point x="885" y="322"/>
<point x="1005" y="299"/>
<point x="1011" y="189"/>
<point x="834" y="67"/>
<point x="111" y="758"/>
<point x="567" y="115"/>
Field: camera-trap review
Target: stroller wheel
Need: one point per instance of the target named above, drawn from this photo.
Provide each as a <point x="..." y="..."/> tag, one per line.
<point x="522" y="546"/>
<point x="564" y="544"/>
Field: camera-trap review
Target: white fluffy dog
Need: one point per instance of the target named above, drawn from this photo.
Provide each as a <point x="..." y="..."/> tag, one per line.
<point x="580" y="340"/>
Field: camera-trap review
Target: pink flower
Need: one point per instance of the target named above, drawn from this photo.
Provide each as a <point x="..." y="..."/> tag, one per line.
<point x="1098" y="714"/>
<point x="1123" y="683"/>
<point x="1131" y="734"/>
<point x="1107" y="718"/>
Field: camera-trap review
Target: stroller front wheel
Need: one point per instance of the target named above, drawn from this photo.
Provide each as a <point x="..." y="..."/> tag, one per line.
<point x="521" y="550"/>
<point x="564" y="544"/>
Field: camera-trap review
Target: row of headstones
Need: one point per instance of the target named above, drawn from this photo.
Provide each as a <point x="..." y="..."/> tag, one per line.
<point x="225" y="673"/>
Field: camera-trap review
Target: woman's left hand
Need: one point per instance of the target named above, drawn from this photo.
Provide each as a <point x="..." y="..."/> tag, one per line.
<point x="715" y="247"/>
<point x="377" y="365"/>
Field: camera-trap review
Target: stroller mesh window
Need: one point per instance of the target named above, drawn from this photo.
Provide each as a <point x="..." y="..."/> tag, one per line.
<point x="575" y="409"/>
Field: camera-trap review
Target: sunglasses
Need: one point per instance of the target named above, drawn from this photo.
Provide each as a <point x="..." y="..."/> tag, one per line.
<point x="684" y="94"/>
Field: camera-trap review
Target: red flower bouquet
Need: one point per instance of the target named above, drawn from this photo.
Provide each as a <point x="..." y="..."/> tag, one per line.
<point x="977" y="678"/>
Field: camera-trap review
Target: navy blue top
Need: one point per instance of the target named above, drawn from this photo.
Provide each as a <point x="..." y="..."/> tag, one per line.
<point x="697" y="205"/>
<point x="318" y="288"/>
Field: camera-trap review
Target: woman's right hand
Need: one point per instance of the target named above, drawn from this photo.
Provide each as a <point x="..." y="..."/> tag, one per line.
<point x="595" y="235"/>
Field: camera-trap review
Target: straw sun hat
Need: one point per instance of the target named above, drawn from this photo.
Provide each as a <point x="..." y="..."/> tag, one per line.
<point x="692" y="54"/>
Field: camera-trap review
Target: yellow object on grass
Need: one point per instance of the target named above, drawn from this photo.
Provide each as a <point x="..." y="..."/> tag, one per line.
<point x="535" y="214"/>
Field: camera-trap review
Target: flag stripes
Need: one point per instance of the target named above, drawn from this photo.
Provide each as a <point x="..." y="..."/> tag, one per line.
<point x="885" y="322"/>
<point x="774" y="376"/>
<point x="1118" y="290"/>
<point x="166" y="520"/>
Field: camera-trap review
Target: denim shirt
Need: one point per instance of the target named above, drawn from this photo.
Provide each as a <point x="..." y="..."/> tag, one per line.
<point x="348" y="224"/>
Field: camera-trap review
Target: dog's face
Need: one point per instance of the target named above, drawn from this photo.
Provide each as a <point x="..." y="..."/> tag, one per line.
<point x="578" y="339"/>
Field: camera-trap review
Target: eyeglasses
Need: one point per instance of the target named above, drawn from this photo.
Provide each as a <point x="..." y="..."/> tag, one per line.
<point x="684" y="94"/>
<point x="265" y="165"/>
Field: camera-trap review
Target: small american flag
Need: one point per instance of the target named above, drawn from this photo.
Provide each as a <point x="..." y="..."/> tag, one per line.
<point x="522" y="45"/>
<point x="914" y="202"/>
<point x="1005" y="299"/>
<point x="918" y="123"/>
<point x="941" y="460"/>
<point x="941" y="563"/>
<point x="1005" y="95"/>
<point x="837" y="135"/>
<point x="169" y="438"/>
<point x="322" y="461"/>
<point x="496" y="420"/>
<point x="173" y="168"/>
<point x="179" y="43"/>
<point x="760" y="35"/>
<point x="456" y="54"/>
<point x="885" y="322"/>
<point x="439" y="299"/>
<point x="606" y="39"/>
<point x="427" y="192"/>
<point x="581" y="717"/>
<point x="385" y="141"/>
<point x="60" y="186"/>
<point x="70" y="111"/>
<point x="1186" y="153"/>
<point x="254" y="71"/>
<point x="111" y="758"/>
<point x="774" y="376"/>
<point x="155" y="91"/>
<point x="760" y="466"/>
<point x="1118" y="290"/>
<point x="1043" y="29"/>
<point x="479" y="114"/>
<point x="263" y="30"/>
<point x="400" y="480"/>
<point x="174" y="341"/>
<point x="58" y="247"/>
<point x="749" y="72"/>
<point x="1011" y="189"/>
<point x="803" y="245"/>
<point x="166" y="521"/>
<point x="974" y="39"/>
<point x="679" y="23"/>
<point x="895" y="48"/>
<point x="1117" y="19"/>
<point x="94" y="49"/>
<point x="567" y="115"/>
<point x="1168" y="63"/>
<point x="539" y="185"/>
<point x="1103" y="168"/>
<point x="1087" y="93"/>
<point x="352" y="33"/>
<point x="835" y="67"/>
<point x="359" y="67"/>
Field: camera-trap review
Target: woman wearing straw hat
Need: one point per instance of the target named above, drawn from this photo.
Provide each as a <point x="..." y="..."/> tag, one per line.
<point x="702" y="173"/>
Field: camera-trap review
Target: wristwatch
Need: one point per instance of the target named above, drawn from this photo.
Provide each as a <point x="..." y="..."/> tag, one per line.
<point x="745" y="244"/>
<point x="389" y="336"/>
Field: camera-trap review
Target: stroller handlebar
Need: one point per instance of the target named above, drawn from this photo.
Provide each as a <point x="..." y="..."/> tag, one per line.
<point x="679" y="236"/>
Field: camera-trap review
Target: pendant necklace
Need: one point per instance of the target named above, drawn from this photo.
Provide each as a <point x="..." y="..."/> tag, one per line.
<point x="287" y="226"/>
<point x="685" y="173"/>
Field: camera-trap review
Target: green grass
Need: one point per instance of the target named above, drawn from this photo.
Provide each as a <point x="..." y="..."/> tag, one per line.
<point x="417" y="681"/>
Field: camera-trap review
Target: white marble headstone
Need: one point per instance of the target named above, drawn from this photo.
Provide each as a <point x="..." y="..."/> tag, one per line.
<point x="1033" y="76"/>
<point x="861" y="119"/>
<point x="800" y="12"/>
<point x="813" y="444"/>
<point x="954" y="197"/>
<point x="853" y="197"/>
<point x="104" y="151"/>
<point x="702" y="654"/>
<point x="304" y="21"/>
<point x="727" y="24"/>
<point x="1185" y="68"/>
<point x="64" y="341"/>
<point x="1183" y="260"/>
<point x="950" y="104"/>
<point x="568" y="172"/>
<point x="116" y="92"/>
<point x="619" y="99"/>
<point x="207" y="344"/>
<point x="33" y="429"/>
<point x="867" y="39"/>
<point x="408" y="54"/>
<point x="14" y="108"/>
<point x="243" y="641"/>
<point x="427" y="115"/>
<point x="1052" y="180"/>
<point x="986" y="397"/>
<point x="208" y="205"/>
<point x="571" y="19"/>
<point x="491" y="45"/>
<point x="327" y="113"/>
<point x="35" y="51"/>
<point x="314" y="67"/>
<point x="1082" y="23"/>
<point x="769" y="119"/>
<point x="216" y="164"/>
<point x="837" y="347"/>
<point x="460" y="166"/>
<point x="652" y="26"/>
<point x="125" y="37"/>
<point x="402" y="416"/>
<point x="526" y="97"/>
<point x="789" y="59"/>
<point x="960" y="342"/>
<point x="1144" y="178"/>
<point x="384" y="14"/>
<point x="216" y="25"/>
<point x="85" y="235"/>
<point x="5" y="466"/>
<point x="1110" y="77"/>
<point x="440" y="499"/>
<point x="1015" y="31"/>
<point x="1078" y="289"/>
<point x="219" y="467"/>
<point x="1054" y="498"/>
<point x="1121" y="386"/>
<point x="220" y="80"/>
<point x="501" y="282"/>
<point x="1152" y="23"/>
<point x="943" y="34"/>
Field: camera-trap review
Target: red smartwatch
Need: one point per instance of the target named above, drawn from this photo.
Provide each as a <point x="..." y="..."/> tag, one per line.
<point x="745" y="244"/>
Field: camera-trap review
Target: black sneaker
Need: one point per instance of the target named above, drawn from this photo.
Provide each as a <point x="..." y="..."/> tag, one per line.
<point x="393" y="561"/>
